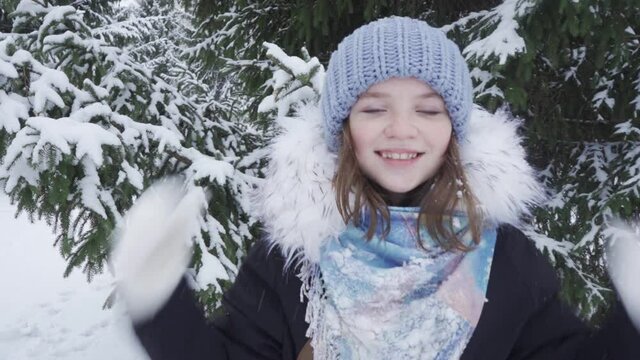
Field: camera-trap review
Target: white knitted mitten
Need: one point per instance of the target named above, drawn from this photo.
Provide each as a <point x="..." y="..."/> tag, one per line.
<point x="623" y="261"/>
<point x="153" y="249"/>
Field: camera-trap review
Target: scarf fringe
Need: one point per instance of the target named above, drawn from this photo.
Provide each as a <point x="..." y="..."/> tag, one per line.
<point x="312" y="288"/>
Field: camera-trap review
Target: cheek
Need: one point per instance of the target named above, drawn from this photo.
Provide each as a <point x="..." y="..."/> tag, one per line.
<point x="444" y="143"/>
<point x="439" y="136"/>
<point x="359" y="138"/>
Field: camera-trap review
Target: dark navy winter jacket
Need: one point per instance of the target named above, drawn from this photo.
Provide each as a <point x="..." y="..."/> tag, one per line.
<point x="264" y="316"/>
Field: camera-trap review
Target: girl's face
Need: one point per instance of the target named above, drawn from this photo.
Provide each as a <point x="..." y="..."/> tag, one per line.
<point x="400" y="130"/>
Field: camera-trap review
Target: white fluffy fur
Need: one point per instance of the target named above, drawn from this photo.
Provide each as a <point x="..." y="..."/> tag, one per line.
<point x="297" y="201"/>
<point x="496" y="167"/>
<point x="154" y="248"/>
<point x="623" y="254"/>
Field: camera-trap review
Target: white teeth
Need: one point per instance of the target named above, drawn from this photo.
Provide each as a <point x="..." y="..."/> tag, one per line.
<point x="399" y="156"/>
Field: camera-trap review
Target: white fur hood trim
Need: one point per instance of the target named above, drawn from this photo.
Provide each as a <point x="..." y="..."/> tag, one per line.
<point x="296" y="201"/>
<point x="495" y="163"/>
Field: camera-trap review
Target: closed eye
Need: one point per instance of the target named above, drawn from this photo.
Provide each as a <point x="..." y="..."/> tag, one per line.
<point x="373" y="111"/>
<point x="429" y="112"/>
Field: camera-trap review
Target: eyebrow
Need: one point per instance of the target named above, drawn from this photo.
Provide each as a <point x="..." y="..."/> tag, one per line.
<point x="375" y="94"/>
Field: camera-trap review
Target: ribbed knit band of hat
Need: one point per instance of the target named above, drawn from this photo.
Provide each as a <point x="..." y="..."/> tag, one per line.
<point x="394" y="47"/>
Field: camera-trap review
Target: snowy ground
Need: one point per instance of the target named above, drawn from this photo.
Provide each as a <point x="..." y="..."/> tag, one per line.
<point x="45" y="316"/>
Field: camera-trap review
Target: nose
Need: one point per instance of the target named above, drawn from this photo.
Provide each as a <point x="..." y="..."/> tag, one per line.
<point x="400" y="126"/>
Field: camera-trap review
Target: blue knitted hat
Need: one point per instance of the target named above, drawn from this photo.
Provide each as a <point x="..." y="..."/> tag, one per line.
<point x="394" y="47"/>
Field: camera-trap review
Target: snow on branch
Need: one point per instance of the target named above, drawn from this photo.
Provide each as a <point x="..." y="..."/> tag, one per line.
<point x="47" y="88"/>
<point x="137" y="134"/>
<point x="553" y="247"/>
<point x="504" y="40"/>
<point x="59" y="14"/>
<point x="483" y="79"/>
<point x="603" y="96"/>
<point x="636" y="101"/>
<point x="7" y="69"/>
<point x="27" y="9"/>
<point x="91" y="189"/>
<point x="88" y="138"/>
<point x="566" y="251"/>
<point x="13" y="108"/>
<point x="203" y="166"/>
<point x="627" y="128"/>
<point x="294" y="81"/>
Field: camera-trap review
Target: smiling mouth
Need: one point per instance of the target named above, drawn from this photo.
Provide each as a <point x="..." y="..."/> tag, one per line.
<point x="398" y="155"/>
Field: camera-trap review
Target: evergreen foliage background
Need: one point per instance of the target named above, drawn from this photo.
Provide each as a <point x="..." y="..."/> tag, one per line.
<point x="190" y="88"/>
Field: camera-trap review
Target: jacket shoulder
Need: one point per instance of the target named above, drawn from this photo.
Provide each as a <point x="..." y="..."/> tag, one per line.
<point x="517" y="253"/>
<point x="268" y="292"/>
<point x="268" y="263"/>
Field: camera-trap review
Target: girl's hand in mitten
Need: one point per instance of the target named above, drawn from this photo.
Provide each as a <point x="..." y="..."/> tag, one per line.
<point x="623" y="261"/>
<point x="153" y="248"/>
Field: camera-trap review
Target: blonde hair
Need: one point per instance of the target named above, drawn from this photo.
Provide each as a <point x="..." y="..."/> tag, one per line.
<point x="438" y="198"/>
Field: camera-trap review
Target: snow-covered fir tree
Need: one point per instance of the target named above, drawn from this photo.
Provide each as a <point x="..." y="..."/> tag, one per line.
<point x="93" y="116"/>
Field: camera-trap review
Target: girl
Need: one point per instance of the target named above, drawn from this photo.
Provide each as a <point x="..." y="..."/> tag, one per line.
<point x="387" y="230"/>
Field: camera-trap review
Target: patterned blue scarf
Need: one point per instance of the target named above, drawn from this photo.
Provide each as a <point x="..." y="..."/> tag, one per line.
<point x="392" y="299"/>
